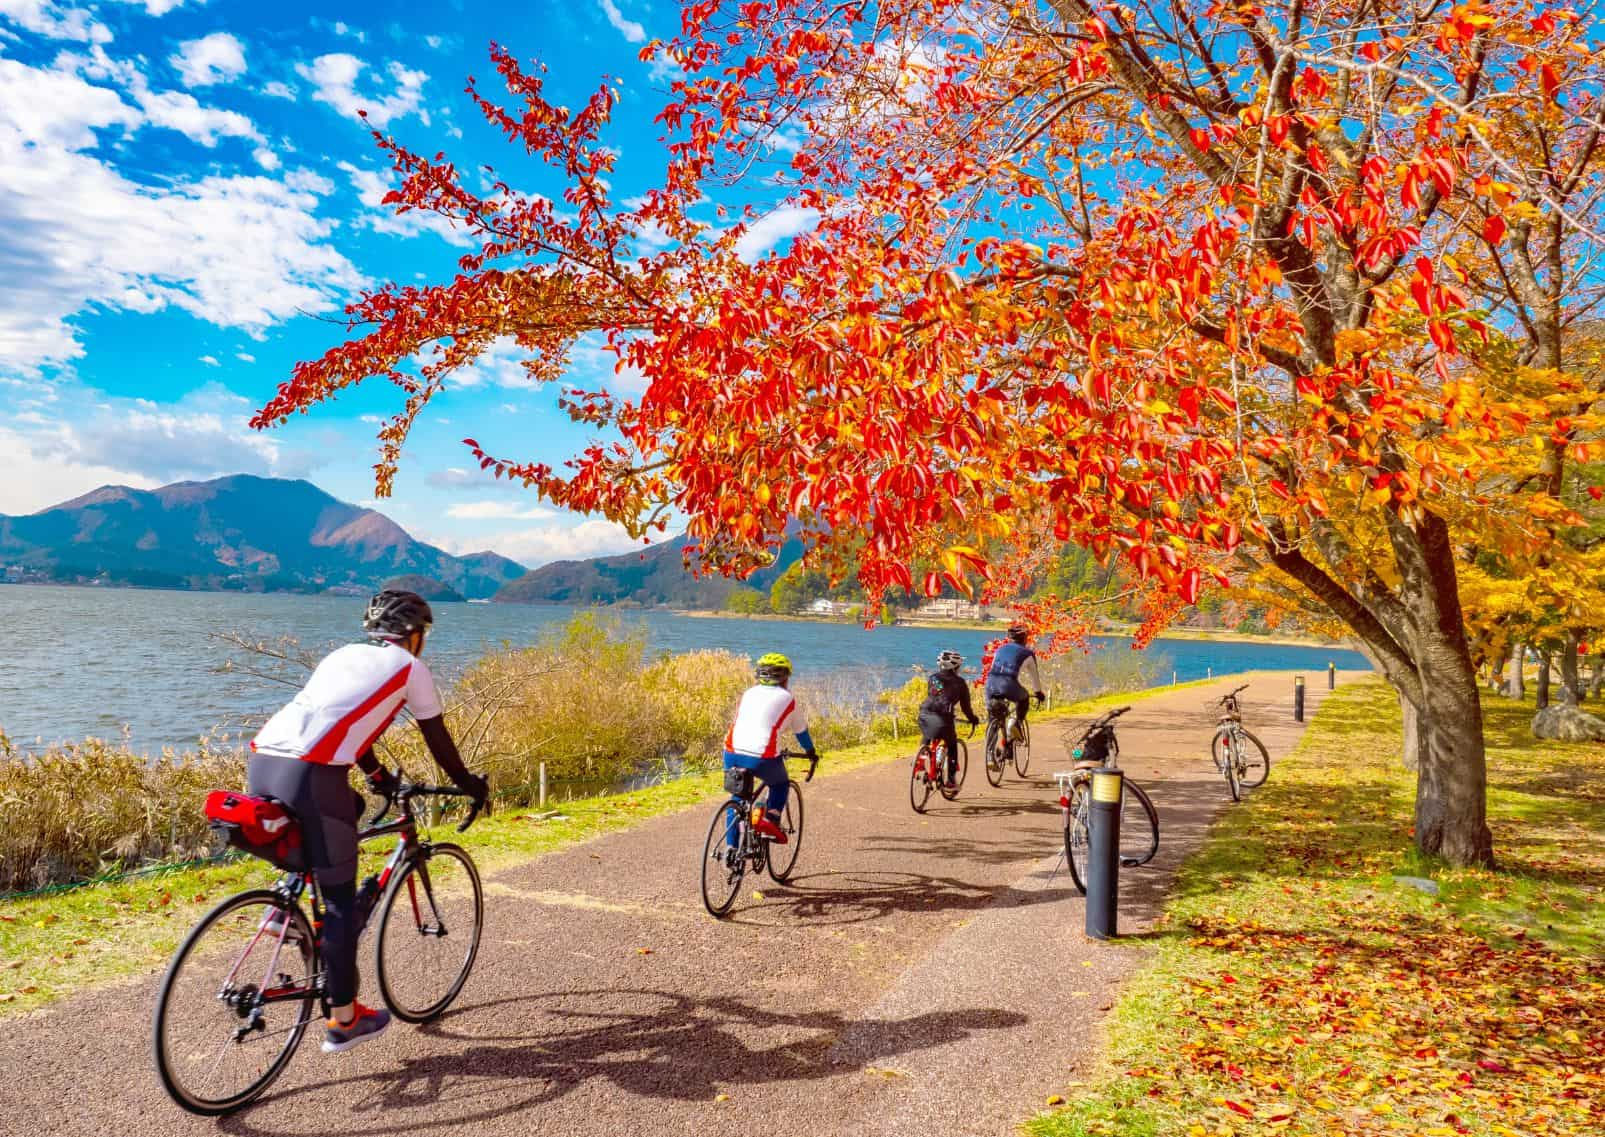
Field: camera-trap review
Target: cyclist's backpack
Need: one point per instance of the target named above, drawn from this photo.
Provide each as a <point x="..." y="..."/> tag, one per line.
<point x="262" y="826"/>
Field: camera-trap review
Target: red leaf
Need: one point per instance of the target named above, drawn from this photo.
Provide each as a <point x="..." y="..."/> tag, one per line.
<point x="1596" y="492"/>
<point x="1549" y="80"/>
<point x="1239" y="1107"/>
<point x="1493" y="229"/>
<point x="1492" y="1067"/>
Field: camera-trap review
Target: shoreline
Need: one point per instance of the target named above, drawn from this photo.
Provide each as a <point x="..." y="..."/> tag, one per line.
<point x="1126" y="632"/>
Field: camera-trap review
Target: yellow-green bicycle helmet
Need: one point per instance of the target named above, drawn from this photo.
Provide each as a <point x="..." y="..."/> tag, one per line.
<point x="773" y="668"/>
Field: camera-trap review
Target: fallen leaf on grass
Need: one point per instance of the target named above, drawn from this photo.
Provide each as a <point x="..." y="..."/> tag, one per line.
<point x="1055" y="1099"/>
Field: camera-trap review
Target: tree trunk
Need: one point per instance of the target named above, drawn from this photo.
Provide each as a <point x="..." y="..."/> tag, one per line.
<point x="1571" y="687"/>
<point x="1598" y="680"/>
<point x="1415" y="733"/>
<point x="1543" y="682"/>
<point x="1451" y="779"/>
<point x="1516" y="682"/>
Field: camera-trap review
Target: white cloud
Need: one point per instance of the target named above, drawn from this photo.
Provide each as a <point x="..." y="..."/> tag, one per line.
<point x="434" y="42"/>
<point x="499" y="365"/>
<point x="210" y="361"/>
<point x="134" y="442"/>
<point x="499" y="511"/>
<point x="158" y="7"/>
<point x="179" y="111"/>
<point x="371" y="187"/>
<point x="341" y="28"/>
<point x="241" y="252"/>
<point x="664" y="68"/>
<point x="278" y="90"/>
<point x="593" y="364"/>
<point x="55" y="21"/>
<point x="541" y="544"/>
<point x="772" y="228"/>
<point x="629" y="29"/>
<point x="266" y="158"/>
<point x="244" y="357"/>
<point x="217" y="58"/>
<point x="37" y="480"/>
<point x="335" y="78"/>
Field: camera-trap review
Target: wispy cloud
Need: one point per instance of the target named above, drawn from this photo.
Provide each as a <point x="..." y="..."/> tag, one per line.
<point x="772" y="228"/>
<point x="629" y="29"/>
<point x="334" y="78"/>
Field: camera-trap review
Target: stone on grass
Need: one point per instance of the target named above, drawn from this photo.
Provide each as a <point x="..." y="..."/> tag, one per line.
<point x="1568" y="724"/>
<point x="1430" y="887"/>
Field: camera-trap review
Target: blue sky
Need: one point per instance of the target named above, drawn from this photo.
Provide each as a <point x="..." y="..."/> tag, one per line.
<point x="187" y="197"/>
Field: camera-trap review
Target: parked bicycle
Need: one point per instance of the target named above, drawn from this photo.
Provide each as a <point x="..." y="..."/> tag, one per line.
<point x="1098" y="750"/>
<point x="1008" y="739"/>
<point x="1238" y="754"/>
<point x="733" y="844"/>
<point x="247" y="981"/>
<point x="931" y="772"/>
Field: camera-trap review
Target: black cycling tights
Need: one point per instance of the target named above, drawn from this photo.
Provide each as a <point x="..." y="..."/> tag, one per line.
<point x="339" y="942"/>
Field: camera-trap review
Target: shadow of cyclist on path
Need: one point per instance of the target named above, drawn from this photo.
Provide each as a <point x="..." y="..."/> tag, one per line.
<point x="674" y="1048"/>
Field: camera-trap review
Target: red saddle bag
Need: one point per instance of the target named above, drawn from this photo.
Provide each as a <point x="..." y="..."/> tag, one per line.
<point x="262" y="826"/>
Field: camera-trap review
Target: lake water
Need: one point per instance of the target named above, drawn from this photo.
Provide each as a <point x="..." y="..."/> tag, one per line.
<point x="90" y="661"/>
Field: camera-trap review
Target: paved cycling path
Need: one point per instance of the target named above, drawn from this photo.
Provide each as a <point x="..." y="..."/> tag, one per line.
<point x="923" y="975"/>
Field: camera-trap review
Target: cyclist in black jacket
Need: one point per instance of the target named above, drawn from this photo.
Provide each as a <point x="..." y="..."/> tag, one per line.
<point x="946" y="693"/>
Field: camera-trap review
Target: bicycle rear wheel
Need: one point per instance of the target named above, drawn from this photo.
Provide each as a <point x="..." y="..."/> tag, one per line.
<point x="1139" y="825"/>
<point x="994" y="752"/>
<point x="217" y="1044"/>
<point x="429" y="926"/>
<point x="724" y="860"/>
<point x="1253" y="762"/>
<point x="919" y="780"/>
<point x="1022" y="750"/>
<point x="961" y="766"/>
<point x="1077" y="843"/>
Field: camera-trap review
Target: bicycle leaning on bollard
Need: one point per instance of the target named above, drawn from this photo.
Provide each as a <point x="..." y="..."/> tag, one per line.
<point x="1098" y="750"/>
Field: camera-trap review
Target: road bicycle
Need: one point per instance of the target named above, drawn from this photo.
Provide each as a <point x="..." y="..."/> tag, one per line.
<point x="1098" y="750"/>
<point x="927" y="774"/>
<point x="1008" y="739"/>
<point x="248" y="980"/>
<point x="1238" y="754"/>
<point x="734" y="845"/>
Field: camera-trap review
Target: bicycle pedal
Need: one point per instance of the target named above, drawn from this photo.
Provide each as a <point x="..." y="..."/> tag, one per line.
<point x="1130" y="862"/>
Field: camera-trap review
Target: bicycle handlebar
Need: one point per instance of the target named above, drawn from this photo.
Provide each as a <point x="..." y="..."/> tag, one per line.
<point x="1232" y="694"/>
<point x="406" y="791"/>
<point x="813" y="761"/>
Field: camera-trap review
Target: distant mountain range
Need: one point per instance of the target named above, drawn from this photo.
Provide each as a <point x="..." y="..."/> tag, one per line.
<point x="236" y="533"/>
<point x="653" y="576"/>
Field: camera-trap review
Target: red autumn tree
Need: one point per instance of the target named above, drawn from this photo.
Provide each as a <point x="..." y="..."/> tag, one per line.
<point x="1181" y="283"/>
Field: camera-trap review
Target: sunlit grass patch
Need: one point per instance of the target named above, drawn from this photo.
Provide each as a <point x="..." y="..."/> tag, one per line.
<point x="1298" y="987"/>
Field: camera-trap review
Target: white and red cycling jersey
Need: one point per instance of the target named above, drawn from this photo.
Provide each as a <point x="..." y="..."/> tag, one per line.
<point x="764" y="712"/>
<point x="355" y="693"/>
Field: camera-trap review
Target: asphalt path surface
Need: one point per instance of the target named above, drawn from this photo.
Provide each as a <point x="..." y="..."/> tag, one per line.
<point x="921" y="975"/>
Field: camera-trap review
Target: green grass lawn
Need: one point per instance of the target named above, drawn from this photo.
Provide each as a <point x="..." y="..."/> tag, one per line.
<point x="54" y="944"/>
<point x="1297" y="987"/>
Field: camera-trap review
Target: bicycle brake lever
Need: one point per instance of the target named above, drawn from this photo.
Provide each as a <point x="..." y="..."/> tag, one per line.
<point x="813" y="764"/>
<point x="472" y="814"/>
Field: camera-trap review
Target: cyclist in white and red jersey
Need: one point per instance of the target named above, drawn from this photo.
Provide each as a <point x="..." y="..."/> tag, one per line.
<point x="767" y="711"/>
<point x="303" y="757"/>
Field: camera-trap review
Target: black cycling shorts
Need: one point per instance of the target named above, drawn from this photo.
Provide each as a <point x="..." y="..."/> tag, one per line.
<point x="325" y="804"/>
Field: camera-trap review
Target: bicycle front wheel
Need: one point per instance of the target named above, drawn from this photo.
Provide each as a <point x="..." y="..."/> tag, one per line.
<point x="235" y="1001"/>
<point x="724" y="861"/>
<point x="1022" y="750"/>
<point x="1253" y="762"/>
<point x="994" y="752"/>
<point x="961" y="766"/>
<point x="1077" y="837"/>
<point x="429" y="926"/>
<point x="1139" y="825"/>
<point x="783" y="858"/>
<point x="919" y="781"/>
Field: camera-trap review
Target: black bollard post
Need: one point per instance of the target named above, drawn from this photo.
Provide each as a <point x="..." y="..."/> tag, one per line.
<point x="1103" y="855"/>
<point x="1298" y="698"/>
<point x="1331" y="676"/>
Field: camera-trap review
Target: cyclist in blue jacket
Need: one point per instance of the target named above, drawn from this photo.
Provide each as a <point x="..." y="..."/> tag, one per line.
<point x="1014" y="674"/>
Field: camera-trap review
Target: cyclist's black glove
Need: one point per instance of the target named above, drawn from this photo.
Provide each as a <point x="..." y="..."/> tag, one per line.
<point x="384" y="782"/>
<point x="974" y="721"/>
<point x="1040" y="697"/>
<point x="476" y="786"/>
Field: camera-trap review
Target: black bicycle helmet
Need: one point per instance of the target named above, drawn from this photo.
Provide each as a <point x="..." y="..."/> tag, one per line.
<point x="396" y="614"/>
<point x="949" y="661"/>
<point x="1019" y="633"/>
